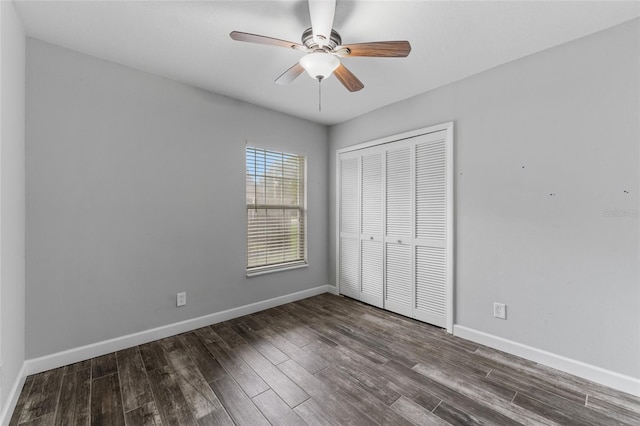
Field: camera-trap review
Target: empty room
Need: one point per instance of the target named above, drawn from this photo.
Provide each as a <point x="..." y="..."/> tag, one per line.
<point x="319" y="212"/>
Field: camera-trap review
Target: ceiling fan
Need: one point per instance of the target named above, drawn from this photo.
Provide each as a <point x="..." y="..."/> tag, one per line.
<point x="323" y="47"/>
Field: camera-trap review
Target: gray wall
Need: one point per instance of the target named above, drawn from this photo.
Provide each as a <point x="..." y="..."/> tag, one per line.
<point x="135" y="191"/>
<point x="12" y="199"/>
<point x="566" y="122"/>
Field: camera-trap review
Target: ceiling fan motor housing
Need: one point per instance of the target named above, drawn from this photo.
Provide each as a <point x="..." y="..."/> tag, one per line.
<point x="307" y="40"/>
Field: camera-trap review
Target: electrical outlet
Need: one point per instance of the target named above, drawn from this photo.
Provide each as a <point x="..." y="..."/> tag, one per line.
<point x="181" y="299"/>
<point x="499" y="310"/>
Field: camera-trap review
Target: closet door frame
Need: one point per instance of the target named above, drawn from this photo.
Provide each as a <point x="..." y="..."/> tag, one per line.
<point x="449" y="204"/>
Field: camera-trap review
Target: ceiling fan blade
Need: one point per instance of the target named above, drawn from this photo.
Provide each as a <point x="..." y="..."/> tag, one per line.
<point x="322" y="13"/>
<point x="259" y="39"/>
<point x="380" y="49"/>
<point x="289" y="75"/>
<point x="347" y="79"/>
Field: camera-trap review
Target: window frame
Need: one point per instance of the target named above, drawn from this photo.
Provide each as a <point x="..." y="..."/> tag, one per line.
<point x="302" y="211"/>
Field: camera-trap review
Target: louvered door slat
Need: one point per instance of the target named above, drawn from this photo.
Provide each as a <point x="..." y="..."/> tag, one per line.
<point x="431" y="281"/>
<point x="431" y="190"/>
<point x="372" y="194"/>
<point x="398" y="192"/>
<point x="372" y="272"/>
<point x="349" y="213"/>
<point x="349" y="271"/>
<point x="398" y="278"/>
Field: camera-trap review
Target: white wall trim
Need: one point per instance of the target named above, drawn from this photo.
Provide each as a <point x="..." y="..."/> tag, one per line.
<point x="578" y="368"/>
<point x="70" y="356"/>
<point x="12" y="398"/>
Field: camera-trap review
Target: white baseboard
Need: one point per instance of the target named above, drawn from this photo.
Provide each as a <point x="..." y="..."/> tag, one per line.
<point x="12" y="399"/>
<point x="93" y="350"/>
<point x="577" y="368"/>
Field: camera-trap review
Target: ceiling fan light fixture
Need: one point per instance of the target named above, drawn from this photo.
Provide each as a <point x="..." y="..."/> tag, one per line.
<point x="319" y="65"/>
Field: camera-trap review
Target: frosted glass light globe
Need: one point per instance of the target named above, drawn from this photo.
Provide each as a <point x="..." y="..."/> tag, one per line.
<point x="319" y="65"/>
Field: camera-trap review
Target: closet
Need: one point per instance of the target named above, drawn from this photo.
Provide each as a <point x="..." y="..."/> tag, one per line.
<point x="395" y="233"/>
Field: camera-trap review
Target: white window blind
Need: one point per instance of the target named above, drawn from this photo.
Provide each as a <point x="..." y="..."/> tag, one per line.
<point x="276" y="210"/>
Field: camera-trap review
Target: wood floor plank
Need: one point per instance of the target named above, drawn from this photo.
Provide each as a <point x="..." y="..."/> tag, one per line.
<point x="74" y="405"/>
<point x="411" y="341"/>
<point x="310" y="361"/>
<point x="470" y="406"/>
<point x="563" y="417"/>
<point x="204" y="404"/>
<point x="22" y="399"/>
<point x="313" y="414"/>
<point x="561" y="380"/>
<point x="366" y="373"/>
<point x="262" y="345"/>
<point x="276" y="410"/>
<point x="45" y="420"/>
<point x="616" y="398"/>
<point x="170" y="344"/>
<point x="104" y="365"/>
<point x="616" y="412"/>
<point x="323" y="329"/>
<point x="43" y="397"/>
<point x="169" y="399"/>
<point x="329" y="398"/>
<point x="78" y="366"/>
<point x="351" y="329"/>
<point x="106" y="401"/>
<point x="152" y="356"/>
<point x="279" y="382"/>
<point x="358" y="395"/>
<point x="248" y="321"/>
<point x="207" y="335"/>
<point x="240" y="407"/>
<point x="532" y="386"/>
<point x="146" y="415"/>
<point x="245" y="376"/>
<point x="273" y="312"/>
<point x="292" y="330"/>
<point x="261" y="318"/>
<point x="496" y="396"/>
<point x="458" y="416"/>
<point x="204" y="360"/>
<point x="134" y="385"/>
<point x="229" y="336"/>
<point x="416" y="413"/>
<point x="560" y="409"/>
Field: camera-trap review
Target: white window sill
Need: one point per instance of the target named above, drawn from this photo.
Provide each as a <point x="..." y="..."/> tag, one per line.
<point x="271" y="269"/>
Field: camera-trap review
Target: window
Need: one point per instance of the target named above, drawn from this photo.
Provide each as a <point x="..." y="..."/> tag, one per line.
<point x="276" y="211"/>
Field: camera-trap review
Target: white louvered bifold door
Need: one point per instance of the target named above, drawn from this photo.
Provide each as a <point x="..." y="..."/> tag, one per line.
<point x="349" y="267"/>
<point x="395" y="232"/>
<point x="398" y="230"/>
<point x="372" y="191"/>
<point x="431" y="229"/>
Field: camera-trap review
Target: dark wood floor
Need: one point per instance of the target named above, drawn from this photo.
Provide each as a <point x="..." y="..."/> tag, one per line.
<point x="326" y="360"/>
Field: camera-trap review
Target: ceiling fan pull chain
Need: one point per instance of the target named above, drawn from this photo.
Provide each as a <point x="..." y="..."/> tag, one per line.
<point x="319" y="95"/>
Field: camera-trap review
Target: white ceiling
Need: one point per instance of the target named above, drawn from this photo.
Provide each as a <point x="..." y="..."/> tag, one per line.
<point x="189" y="41"/>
